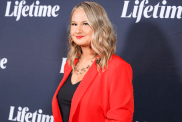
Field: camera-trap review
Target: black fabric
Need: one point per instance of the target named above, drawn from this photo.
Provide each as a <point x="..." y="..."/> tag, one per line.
<point x="64" y="97"/>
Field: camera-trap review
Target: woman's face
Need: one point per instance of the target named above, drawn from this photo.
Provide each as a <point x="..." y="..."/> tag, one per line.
<point x="81" y="31"/>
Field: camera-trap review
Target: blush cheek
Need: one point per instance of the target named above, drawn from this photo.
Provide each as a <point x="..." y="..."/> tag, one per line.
<point x="72" y="31"/>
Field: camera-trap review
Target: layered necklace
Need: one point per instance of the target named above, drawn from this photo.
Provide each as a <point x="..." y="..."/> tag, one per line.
<point x="80" y="71"/>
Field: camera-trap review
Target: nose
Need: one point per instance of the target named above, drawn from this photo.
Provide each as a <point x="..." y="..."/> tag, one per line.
<point x="78" y="29"/>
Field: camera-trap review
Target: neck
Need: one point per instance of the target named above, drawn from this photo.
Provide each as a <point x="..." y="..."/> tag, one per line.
<point x="87" y="53"/>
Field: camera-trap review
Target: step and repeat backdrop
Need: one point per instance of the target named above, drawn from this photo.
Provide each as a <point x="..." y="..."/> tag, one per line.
<point x="34" y="46"/>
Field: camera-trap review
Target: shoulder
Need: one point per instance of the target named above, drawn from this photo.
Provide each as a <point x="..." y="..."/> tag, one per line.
<point x="116" y="61"/>
<point x="68" y="65"/>
<point x="118" y="68"/>
<point x="117" y="65"/>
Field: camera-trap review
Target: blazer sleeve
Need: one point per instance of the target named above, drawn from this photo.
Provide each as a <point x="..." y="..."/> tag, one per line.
<point x="120" y="89"/>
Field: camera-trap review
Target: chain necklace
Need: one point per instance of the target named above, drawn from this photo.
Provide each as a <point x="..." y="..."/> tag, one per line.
<point x="80" y="71"/>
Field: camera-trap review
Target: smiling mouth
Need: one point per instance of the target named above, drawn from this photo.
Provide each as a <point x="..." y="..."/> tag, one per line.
<point x="79" y="37"/>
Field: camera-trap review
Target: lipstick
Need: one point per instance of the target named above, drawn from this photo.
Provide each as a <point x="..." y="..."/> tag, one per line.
<point x="79" y="37"/>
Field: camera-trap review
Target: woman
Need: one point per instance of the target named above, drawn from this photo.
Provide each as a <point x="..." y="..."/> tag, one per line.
<point x="97" y="84"/>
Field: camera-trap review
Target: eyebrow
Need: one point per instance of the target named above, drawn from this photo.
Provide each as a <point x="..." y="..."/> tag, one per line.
<point x="82" y="21"/>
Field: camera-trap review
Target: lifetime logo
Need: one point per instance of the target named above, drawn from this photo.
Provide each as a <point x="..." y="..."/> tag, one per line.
<point x="140" y="9"/>
<point x="3" y="61"/>
<point x="24" y="116"/>
<point x="34" y="10"/>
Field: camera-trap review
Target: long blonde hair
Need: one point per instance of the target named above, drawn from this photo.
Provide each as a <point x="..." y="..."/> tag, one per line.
<point x="104" y="37"/>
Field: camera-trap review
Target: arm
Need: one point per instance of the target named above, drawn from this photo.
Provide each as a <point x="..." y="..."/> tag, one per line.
<point x="121" y="100"/>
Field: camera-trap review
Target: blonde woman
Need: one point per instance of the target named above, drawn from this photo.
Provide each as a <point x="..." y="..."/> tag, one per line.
<point x="97" y="84"/>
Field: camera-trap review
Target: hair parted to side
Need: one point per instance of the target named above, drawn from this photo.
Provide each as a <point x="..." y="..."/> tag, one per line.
<point x="103" y="40"/>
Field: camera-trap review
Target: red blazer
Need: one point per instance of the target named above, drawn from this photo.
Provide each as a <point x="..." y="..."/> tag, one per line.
<point x="107" y="97"/>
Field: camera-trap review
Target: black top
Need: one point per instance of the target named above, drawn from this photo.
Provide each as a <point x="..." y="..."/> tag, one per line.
<point x="64" y="97"/>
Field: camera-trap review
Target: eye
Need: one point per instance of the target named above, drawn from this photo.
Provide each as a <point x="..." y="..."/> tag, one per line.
<point x="85" y="23"/>
<point x="73" y="24"/>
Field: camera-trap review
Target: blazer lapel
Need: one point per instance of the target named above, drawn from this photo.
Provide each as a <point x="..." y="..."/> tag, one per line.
<point x="55" y="105"/>
<point x="82" y="87"/>
<point x="66" y="74"/>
